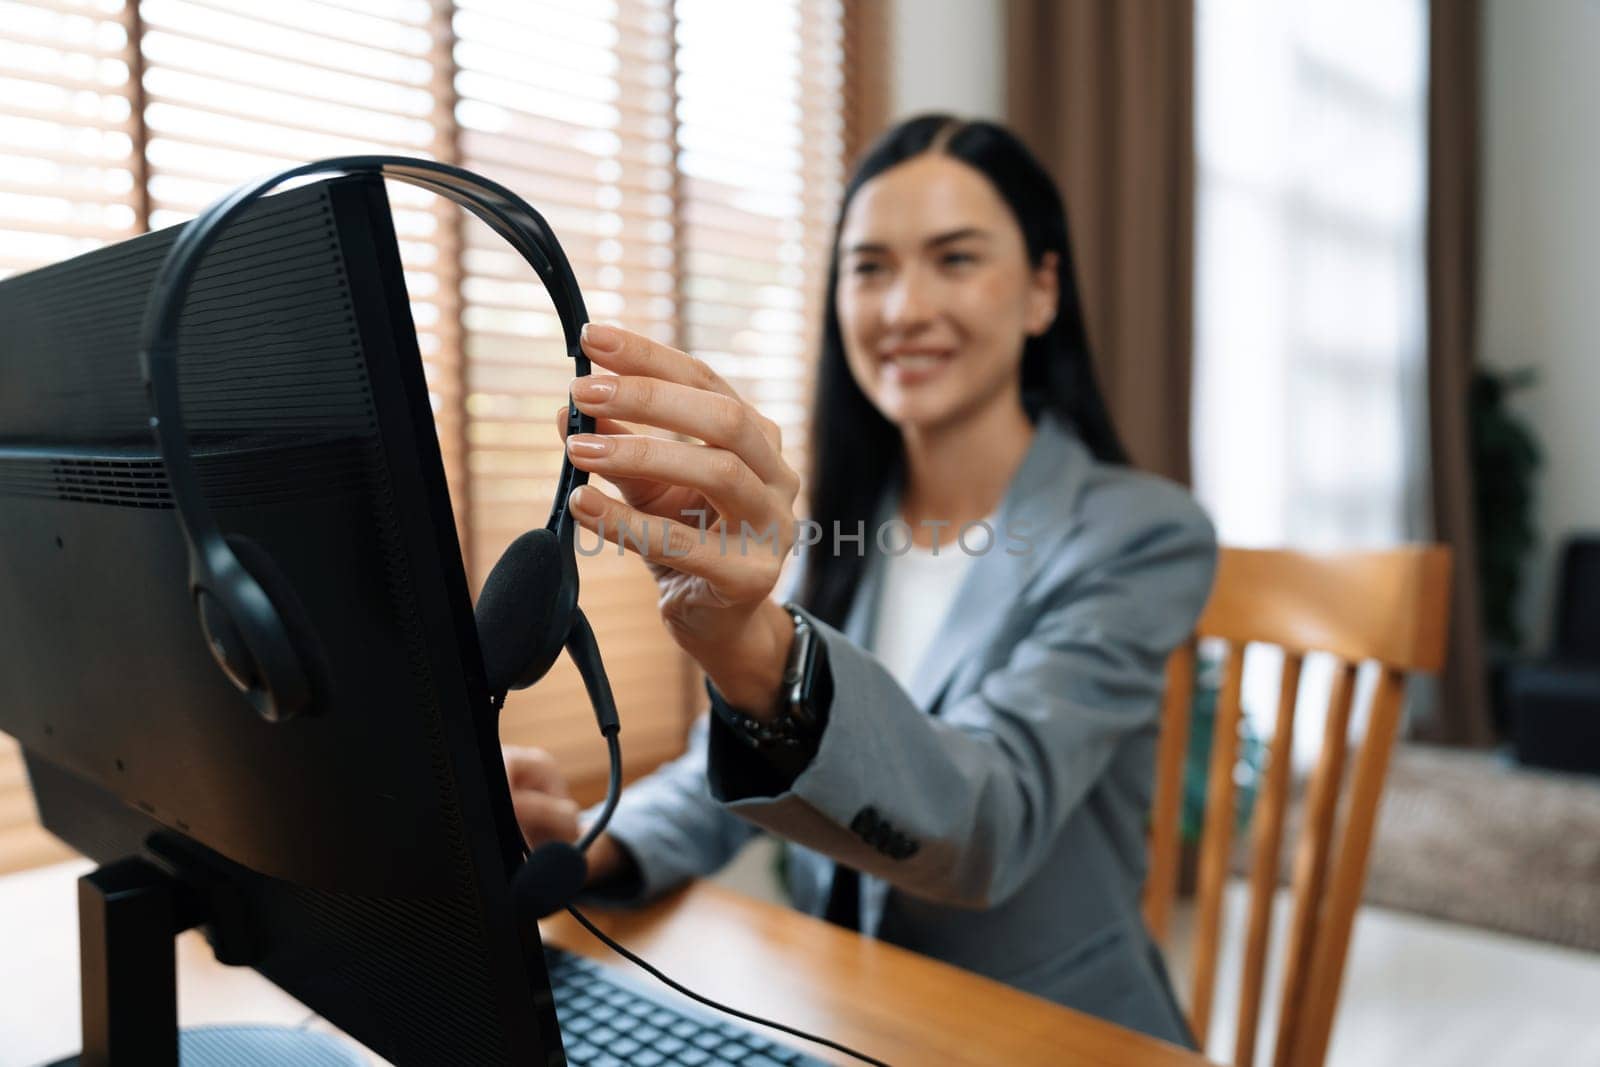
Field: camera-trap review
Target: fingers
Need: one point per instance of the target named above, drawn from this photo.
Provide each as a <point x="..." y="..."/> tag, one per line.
<point x="736" y="577"/>
<point x="719" y="420"/>
<point x="610" y="427"/>
<point x="533" y="768"/>
<point x="641" y="492"/>
<point x="629" y="353"/>
<point x="545" y="818"/>
<point x="720" y="476"/>
<point x="545" y="809"/>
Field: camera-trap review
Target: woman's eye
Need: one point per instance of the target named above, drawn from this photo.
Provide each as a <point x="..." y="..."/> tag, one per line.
<point x="862" y="269"/>
<point x="958" y="259"/>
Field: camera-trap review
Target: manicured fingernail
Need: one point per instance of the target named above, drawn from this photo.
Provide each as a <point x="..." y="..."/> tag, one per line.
<point x="598" y="337"/>
<point x="584" y="444"/>
<point x="585" y="501"/>
<point x="594" y="390"/>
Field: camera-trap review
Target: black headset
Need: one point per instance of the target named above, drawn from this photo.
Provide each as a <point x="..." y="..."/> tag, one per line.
<point x="257" y="629"/>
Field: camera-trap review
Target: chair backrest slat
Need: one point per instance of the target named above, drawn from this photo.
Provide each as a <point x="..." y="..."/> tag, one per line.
<point x="1216" y="841"/>
<point x="1167" y="803"/>
<point x="1350" y="869"/>
<point x="1266" y="846"/>
<point x="1387" y="607"/>
<point x="1311" y="857"/>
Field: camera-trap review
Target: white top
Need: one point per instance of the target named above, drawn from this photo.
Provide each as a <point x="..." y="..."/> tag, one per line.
<point x="918" y="590"/>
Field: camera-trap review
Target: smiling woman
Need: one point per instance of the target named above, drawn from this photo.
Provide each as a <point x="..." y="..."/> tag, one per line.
<point x="959" y="758"/>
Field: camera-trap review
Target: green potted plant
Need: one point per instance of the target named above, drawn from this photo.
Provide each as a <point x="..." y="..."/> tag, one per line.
<point x="1505" y="459"/>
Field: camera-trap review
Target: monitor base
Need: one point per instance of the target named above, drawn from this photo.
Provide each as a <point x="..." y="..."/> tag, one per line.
<point x="238" y="1046"/>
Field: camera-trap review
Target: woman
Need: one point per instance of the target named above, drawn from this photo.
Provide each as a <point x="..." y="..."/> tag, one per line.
<point x="975" y="784"/>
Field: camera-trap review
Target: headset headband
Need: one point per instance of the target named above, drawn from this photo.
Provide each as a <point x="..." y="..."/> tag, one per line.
<point x="235" y="610"/>
<point x="504" y="211"/>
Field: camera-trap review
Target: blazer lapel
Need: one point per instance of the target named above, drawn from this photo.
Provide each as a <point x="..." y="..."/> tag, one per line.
<point x="1037" y="509"/>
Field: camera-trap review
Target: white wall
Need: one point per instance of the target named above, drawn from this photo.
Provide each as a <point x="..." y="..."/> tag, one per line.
<point x="1539" y="282"/>
<point x="949" y="55"/>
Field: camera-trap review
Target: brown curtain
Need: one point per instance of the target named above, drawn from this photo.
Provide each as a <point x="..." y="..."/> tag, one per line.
<point x="1462" y="715"/>
<point x="1103" y="91"/>
<point x="867" y="65"/>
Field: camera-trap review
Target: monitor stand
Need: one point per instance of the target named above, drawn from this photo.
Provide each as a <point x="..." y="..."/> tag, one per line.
<point x="129" y="912"/>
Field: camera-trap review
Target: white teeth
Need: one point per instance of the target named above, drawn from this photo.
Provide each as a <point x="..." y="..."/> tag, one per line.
<point x="917" y="362"/>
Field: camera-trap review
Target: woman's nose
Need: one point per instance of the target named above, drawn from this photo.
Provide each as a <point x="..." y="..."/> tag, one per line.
<point x="907" y="303"/>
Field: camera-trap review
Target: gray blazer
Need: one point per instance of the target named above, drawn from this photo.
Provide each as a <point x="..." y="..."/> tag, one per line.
<point x="997" y="810"/>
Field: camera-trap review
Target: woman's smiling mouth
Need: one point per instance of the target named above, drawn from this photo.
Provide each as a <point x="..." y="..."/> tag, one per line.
<point x="911" y="366"/>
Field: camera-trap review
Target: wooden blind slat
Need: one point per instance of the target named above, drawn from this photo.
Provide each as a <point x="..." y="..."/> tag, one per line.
<point x="250" y="20"/>
<point x="17" y="35"/>
<point x="195" y="45"/>
<point x="77" y="192"/>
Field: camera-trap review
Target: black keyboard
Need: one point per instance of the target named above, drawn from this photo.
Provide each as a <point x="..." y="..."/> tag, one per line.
<point x="610" y="1021"/>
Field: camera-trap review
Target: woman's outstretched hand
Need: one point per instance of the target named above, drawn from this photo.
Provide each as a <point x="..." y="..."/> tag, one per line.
<point x="712" y="518"/>
<point x="546" y="811"/>
<point x="540" y="797"/>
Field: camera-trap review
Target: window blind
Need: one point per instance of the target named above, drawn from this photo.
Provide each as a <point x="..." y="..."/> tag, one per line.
<point x="571" y="105"/>
<point x="66" y="131"/>
<point x="761" y="137"/>
<point x="687" y="153"/>
<point x="235" y="90"/>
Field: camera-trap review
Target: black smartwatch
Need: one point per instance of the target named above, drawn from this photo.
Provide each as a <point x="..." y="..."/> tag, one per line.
<point x="802" y="704"/>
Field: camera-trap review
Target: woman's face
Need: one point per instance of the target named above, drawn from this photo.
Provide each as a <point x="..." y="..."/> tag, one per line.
<point x="936" y="296"/>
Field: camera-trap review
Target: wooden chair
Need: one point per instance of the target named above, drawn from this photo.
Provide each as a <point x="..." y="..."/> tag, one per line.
<point x="1389" y="607"/>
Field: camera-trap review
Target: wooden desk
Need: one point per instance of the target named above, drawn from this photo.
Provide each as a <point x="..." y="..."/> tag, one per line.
<point x="894" y="1004"/>
<point x="890" y="1003"/>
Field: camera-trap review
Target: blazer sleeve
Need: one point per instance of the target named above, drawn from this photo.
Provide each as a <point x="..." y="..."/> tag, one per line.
<point x="977" y="796"/>
<point x="671" y="826"/>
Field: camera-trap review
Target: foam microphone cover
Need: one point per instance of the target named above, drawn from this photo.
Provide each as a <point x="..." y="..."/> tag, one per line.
<point x="549" y="879"/>
<point x="523" y="612"/>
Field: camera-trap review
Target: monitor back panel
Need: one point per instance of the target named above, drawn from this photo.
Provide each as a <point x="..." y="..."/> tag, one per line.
<point x="367" y="846"/>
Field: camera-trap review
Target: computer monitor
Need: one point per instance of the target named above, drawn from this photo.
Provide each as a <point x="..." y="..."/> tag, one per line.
<point x="361" y="857"/>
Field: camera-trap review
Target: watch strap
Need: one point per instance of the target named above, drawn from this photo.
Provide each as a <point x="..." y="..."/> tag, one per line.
<point x="790" y="736"/>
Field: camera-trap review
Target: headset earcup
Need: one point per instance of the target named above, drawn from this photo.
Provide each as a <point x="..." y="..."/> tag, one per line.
<point x="227" y="644"/>
<point x="525" y="611"/>
<point x="291" y="681"/>
<point x="549" y="879"/>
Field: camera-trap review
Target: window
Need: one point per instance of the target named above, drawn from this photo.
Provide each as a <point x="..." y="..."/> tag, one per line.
<point x="688" y="154"/>
<point x="1309" y="325"/>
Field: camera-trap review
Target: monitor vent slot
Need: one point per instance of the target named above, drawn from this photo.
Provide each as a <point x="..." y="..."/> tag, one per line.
<point x="238" y="476"/>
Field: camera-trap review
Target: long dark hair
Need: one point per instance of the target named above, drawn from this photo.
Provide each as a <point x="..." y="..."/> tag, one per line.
<point x="854" y="448"/>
